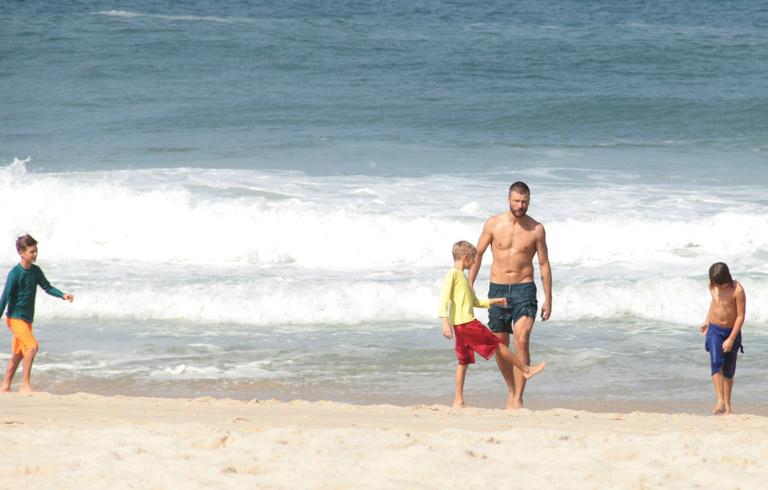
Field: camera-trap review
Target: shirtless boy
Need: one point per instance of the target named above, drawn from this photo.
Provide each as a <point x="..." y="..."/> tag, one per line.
<point x="723" y="330"/>
<point x="515" y="238"/>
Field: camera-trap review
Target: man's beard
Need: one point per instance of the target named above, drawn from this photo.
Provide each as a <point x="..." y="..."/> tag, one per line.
<point x="522" y="212"/>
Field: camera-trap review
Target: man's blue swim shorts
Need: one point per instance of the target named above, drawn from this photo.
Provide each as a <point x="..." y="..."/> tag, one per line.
<point x="521" y="301"/>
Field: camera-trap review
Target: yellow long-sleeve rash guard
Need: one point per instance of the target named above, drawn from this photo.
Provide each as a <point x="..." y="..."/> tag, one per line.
<point x="458" y="299"/>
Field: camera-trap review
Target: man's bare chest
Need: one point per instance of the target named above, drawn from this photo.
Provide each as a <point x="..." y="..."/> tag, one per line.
<point x="514" y="241"/>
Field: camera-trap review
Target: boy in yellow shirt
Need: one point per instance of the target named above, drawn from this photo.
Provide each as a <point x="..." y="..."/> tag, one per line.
<point x="457" y="303"/>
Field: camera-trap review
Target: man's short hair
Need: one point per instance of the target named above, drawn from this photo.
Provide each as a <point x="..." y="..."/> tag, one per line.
<point x="463" y="249"/>
<point x="520" y="188"/>
<point x="719" y="274"/>
<point x="25" y="241"/>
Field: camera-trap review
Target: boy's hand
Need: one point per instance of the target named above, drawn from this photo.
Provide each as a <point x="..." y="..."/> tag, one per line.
<point x="447" y="330"/>
<point x="703" y="329"/>
<point x="499" y="301"/>
<point x="68" y="297"/>
<point x="728" y="345"/>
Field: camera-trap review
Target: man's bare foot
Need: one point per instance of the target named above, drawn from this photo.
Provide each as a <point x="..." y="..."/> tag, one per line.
<point x="26" y="389"/>
<point x="719" y="408"/>
<point x="5" y="389"/>
<point x="728" y="409"/>
<point x="458" y="404"/>
<point x="534" y="370"/>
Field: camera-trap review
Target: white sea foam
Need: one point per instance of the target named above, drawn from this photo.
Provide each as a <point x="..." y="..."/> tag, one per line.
<point x="679" y="301"/>
<point x="207" y="18"/>
<point x="265" y="302"/>
<point x="118" y="13"/>
<point x="660" y="242"/>
<point x="204" y="370"/>
<point x="270" y="248"/>
<point x="271" y="302"/>
<point x="199" y="217"/>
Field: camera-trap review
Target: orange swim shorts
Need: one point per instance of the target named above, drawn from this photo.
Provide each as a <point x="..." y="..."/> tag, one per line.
<point x="23" y="340"/>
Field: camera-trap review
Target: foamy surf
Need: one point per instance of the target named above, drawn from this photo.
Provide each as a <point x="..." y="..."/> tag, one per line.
<point x="266" y="248"/>
<point x="205" y="217"/>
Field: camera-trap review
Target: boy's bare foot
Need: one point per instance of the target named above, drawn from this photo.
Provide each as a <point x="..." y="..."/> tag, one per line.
<point x="534" y="370"/>
<point x="26" y="389"/>
<point x="727" y="409"/>
<point x="458" y="404"/>
<point x="514" y="404"/>
<point x="719" y="408"/>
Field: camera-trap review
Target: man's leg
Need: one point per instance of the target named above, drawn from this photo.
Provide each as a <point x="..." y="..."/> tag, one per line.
<point x="10" y="371"/>
<point x="506" y="370"/>
<point x="522" y="334"/>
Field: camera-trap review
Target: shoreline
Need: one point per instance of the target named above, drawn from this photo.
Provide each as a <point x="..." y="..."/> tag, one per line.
<point x="94" y="441"/>
<point x="535" y="402"/>
<point x="17" y="400"/>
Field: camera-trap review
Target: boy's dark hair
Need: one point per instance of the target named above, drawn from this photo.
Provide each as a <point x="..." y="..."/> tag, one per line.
<point x="719" y="274"/>
<point x="25" y="241"/>
<point x="520" y="188"/>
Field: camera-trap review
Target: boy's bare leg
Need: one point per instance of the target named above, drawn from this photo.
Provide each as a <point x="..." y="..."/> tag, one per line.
<point x="461" y="374"/>
<point x="506" y="369"/>
<point x="29" y="358"/>
<point x="510" y="358"/>
<point x="727" y="389"/>
<point x="717" y="381"/>
<point x="522" y="334"/>
<point x="10" y="371"/>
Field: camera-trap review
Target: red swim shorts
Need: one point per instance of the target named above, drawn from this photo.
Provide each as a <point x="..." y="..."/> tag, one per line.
<point x="474" y="337"/>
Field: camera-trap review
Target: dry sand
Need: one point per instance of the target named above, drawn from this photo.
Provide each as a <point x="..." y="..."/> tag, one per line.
<point x="89" y="441"/>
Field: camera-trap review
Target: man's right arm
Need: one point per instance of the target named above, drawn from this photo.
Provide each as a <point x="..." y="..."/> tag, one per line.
<point x="482" y="244"/>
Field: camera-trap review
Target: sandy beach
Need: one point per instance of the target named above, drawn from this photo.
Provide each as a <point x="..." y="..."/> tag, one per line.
<point x="90" y="441"/>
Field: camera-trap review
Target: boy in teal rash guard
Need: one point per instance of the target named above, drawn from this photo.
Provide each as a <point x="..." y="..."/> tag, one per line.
<point x="19" y="295"/>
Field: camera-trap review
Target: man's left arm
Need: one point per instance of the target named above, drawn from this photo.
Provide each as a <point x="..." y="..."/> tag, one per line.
<point x="546" y="271"/>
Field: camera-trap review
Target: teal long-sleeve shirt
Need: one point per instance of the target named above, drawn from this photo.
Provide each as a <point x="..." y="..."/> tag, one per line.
<point x="20" y="290"/>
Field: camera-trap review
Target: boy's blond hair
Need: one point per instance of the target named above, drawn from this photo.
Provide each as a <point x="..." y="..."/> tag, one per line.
<point x="463" y="249"/>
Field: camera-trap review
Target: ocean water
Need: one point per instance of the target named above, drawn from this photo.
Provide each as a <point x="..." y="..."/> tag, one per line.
<point x="258" y="200"/>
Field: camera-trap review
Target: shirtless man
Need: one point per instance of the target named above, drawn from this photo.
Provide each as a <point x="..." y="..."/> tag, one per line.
<point x="515" y="238"/>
